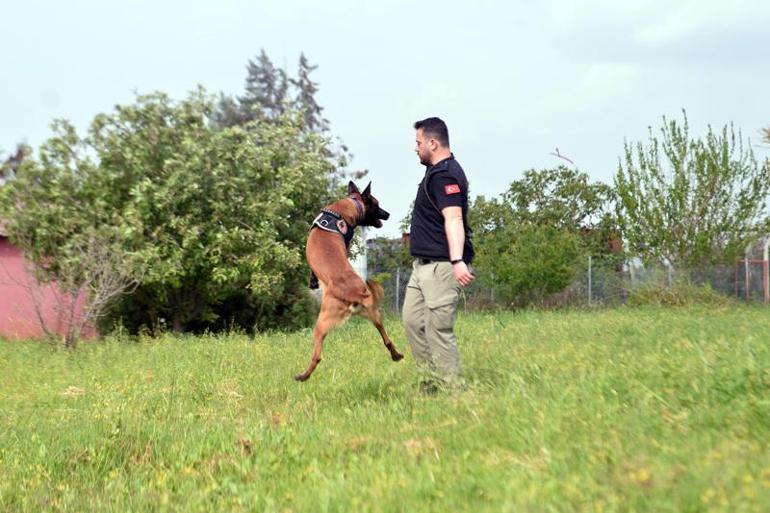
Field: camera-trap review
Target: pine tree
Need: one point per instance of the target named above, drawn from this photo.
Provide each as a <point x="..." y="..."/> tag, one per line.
<point x="269" y="92"/>
<point x="266" y="90"/>
<point x="265" y="96"/>
<point x="227" y="112"/>
<point x="304" y="100"/>
<point x="11" y="164"/>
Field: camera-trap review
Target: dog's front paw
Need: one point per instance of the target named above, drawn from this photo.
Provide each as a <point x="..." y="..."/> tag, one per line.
<point x="301" y="377"/>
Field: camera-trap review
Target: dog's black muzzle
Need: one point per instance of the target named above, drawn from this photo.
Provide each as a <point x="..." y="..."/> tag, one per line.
<point x="381" y="214"/>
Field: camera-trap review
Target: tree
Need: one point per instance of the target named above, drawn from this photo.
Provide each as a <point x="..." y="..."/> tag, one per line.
<point x="562" y="198"/>
<point x="565" y="199"/>
<point x="269" y="92"/>
<point x="91" y="275"/>
<point x="216" y="216"/>
<point x="384" y="255"/>
<point x="11" y="164"/>
<point x="522" y="261"/>
<point x="687" y="201"/>
<point x="265" y="98"/>
<point x="266" y="90"/>
<point x="227" y="112"/>
<point x="305" y="97"/>
<point x="531" y="241"/>
<point x="526" y="262"/>
<point x="74" y="260"/>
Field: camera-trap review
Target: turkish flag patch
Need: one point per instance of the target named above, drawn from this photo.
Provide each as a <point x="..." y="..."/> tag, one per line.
<point x="452" y="189"/>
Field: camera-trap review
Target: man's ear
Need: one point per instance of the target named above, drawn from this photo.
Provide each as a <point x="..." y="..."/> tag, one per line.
<point x="368" y="191"/>
<point x="352" y="187"/>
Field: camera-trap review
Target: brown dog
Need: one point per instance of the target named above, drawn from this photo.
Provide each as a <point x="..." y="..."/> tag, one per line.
<point x="344" y="292"/>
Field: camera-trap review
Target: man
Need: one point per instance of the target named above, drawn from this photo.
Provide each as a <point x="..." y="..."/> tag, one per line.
<point x="440" y="243"/>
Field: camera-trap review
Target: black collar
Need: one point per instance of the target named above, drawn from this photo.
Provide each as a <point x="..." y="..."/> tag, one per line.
<point x="337" y="215"/>
<point x="359" y="208"/>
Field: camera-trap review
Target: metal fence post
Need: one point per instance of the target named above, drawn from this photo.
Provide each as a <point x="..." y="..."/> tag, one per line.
<point x="748" y="284"/>
<point x="590" y="291"/>
<point x="398" y="288"/>
<point x="492" y="290"/>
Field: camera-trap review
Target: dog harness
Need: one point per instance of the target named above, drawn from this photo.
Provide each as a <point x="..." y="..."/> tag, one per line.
<point x="331" y="221"/>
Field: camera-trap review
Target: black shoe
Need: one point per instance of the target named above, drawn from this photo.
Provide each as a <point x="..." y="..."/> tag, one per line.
<point x="429" y="387"/>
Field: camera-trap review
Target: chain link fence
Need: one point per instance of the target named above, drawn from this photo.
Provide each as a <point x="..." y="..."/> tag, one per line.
<point x="604" y="283"/>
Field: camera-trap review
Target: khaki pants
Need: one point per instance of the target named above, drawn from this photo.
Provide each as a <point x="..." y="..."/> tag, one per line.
<point x="429" y="318"/>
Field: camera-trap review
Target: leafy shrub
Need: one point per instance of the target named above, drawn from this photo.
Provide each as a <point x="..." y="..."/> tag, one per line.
<point x="679" y="294"/>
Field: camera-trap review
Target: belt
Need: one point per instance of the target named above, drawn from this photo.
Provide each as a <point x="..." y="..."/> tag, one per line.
<point x="426" y="261"/>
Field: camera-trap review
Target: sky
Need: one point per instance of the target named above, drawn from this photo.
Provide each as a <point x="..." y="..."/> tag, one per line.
<point x="513" y="80"/>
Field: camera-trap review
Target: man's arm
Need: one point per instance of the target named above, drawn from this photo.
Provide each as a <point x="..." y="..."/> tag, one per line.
<point x="455" y="236"/>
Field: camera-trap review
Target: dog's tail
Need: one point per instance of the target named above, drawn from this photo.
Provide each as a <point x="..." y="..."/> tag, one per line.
<point x="376" y="290"/>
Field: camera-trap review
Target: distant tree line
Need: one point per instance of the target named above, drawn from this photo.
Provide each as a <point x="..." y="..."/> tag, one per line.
<point x="204" y="203"/>
<point x="676" y="200"/>
<point x="198" y="209"/>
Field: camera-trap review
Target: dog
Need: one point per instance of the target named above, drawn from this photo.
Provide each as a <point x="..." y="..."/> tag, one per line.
<point x="344" y="292"/>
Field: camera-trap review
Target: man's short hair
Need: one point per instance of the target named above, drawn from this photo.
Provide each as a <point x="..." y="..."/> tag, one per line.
<point x="434" y="128"/>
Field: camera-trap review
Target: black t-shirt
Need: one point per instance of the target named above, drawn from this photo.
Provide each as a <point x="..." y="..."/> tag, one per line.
<point x="448" y="187"/>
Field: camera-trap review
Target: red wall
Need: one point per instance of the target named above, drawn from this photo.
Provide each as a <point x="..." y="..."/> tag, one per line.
<point x="18" y="319"/>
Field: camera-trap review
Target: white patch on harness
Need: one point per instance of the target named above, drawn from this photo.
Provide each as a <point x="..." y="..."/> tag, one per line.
<point x="322" y="223"/>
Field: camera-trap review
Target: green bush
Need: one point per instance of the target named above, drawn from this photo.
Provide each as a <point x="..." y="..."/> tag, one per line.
<point x="526" y="263"/>
<point x="678" y="294"/>
<point x="217" y="218"/>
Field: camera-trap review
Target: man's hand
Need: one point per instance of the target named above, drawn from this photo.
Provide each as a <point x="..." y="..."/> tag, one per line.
<point x="462" y="274"/>
<point x="455" y="235"/>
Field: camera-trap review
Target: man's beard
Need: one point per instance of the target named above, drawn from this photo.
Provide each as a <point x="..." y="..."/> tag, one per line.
<point x="425" y="161"/>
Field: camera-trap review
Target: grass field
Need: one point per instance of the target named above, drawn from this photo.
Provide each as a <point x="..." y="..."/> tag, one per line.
<point x="617" y="410"/>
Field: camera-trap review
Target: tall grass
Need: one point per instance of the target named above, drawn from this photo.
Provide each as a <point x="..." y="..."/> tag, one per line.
<point x="621" y="410"/>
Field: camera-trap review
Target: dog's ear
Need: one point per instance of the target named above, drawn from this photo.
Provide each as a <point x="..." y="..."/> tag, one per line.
<point x="368" y="191"/>
<point x="352" y="187"/>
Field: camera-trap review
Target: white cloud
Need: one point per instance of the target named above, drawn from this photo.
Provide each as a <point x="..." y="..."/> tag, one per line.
<point x="631" y="28"/>
<point x="573" y="15"/>
<point x="691" y="19"/>
<point x="596" y="88"/>
<point x="609" y="79"/>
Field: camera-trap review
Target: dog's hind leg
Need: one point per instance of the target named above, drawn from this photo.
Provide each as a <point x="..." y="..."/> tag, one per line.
<point x="318" y="341"/>
<point x="333" y="313"/>
<point x="372" y="312"/>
